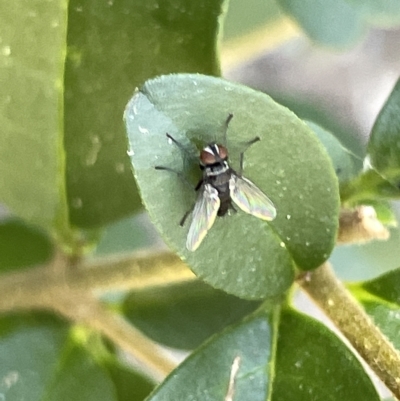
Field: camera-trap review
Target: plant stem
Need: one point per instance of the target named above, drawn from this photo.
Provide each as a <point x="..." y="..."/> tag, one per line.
<point x="329" y="293"/>
<point x="85" y="309"/>
<point x="26" y="288"/>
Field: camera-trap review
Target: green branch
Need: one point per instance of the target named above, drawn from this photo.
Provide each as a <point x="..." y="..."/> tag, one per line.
<point x="329" y="293"/>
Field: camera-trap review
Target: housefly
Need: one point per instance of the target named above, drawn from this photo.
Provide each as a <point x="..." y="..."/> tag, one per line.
<point x="220" y="187"/>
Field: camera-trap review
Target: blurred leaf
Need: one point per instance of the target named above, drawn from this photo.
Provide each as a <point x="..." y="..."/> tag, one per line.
<point x="40" y="360"/>
<point x="114" y="46"/>
<point x="380" y="298"/>
<point x="386" y="286"/>
<point x="384" y="142"/>
<point x="127" y="235"/>
<point x="384" y="212"/>
<point x="258" y="13"/>
<point x="32" y="52"/>
<point x="205" y="374"/>
<point x="345" y="163"/>
<point x="368" y="187"/>
<point x="382" y="13"/>
<point x="387" y="317"/>
<point x="22" y="245"/>
<point x="241" y="254"/>
<point x="183" y="316"/>
<point x="130" y="386"/>
<point x="313" y="364"/>
<point x="333" y="23"/>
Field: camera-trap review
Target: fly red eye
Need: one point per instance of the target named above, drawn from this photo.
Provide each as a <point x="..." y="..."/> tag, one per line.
<point x="206" y="157"/>
<point x="213" y="153"/>
<point x="223" y="152"/>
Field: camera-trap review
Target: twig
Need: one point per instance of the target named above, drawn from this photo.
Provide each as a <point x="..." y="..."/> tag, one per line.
<point x="85" y="309"/>
<point x="329" y="293"/>
<point x="26" y="288"/>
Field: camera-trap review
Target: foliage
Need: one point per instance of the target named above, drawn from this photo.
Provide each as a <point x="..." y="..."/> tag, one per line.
<point x="66" y="160"/>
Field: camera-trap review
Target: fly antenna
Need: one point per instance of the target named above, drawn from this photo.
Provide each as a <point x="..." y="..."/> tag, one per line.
<point x="228" y="120"/>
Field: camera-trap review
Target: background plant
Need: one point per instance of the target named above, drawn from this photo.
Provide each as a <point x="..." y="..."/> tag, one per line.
<point x="72" y="298"/>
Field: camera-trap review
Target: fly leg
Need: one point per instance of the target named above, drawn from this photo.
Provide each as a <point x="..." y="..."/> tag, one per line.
<point x="228" y="120"/>
<point x="247" y="145"/>
<point x="185" y="180"/>
<point x="179" y="174"/>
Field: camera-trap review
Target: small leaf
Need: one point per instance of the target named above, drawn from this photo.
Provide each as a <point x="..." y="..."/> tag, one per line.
<point x="333" y="23"/>
<point x="387" y="317"/>
<point x="22" y="245"/>
<point x="384" y="143"/>
<point x="237" y="361"/>
<point x="32" y="49"/>
<point x="241" y="254"/>
<point x="386" y="286"/>
<point x="113" y="47"/>
<point x="345" y="163"/>
<point x="312" y="363"/>
<point x="184" y="316"/>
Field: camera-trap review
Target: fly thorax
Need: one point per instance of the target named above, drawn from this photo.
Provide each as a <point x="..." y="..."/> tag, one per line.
<point x="216" y="169"/>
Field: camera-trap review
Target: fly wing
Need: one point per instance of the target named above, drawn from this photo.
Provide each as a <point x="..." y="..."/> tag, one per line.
<point x="250" y="198"/>
<point x="203" y="216"/>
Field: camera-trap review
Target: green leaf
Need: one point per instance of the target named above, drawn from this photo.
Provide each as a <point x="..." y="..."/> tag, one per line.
<point x="278" y="358"/>
<point x="386" y="286"/>
<point x="41" y="360"/>
<point x="312" y="363"/>
<point x="127" y="235"/>
<point x="384" y="143"/>
<point x="241" y="254"/>
<point x="206" y="373"/>
<point x="130" y="386"/>
<point x="368" y="187"/>
<point x="32" y="52"/>
<point x="333" y="23"/>
<point x="387" y="317"/>
<point x="22" y="245"/>
<point x="114" y="46"/>
<point x="184" y="316"/>
<point x="345" y="163"/>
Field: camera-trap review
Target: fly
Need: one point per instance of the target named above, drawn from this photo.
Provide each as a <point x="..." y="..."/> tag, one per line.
<point x="219" y="188"/>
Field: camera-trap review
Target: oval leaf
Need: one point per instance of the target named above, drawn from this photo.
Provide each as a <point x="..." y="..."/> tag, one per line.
<point x="241" y="254"/>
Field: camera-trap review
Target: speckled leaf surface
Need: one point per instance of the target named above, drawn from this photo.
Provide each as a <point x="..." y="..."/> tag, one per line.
<point x="241" y="254"/>
<point x="276" y="356"/>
